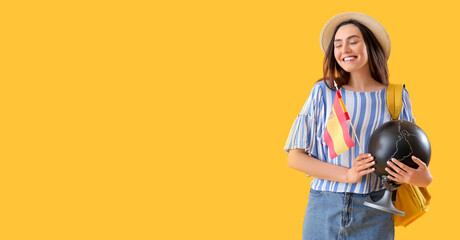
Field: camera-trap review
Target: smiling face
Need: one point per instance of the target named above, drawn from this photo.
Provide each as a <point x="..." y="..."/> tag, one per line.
<point x="350" y="49"/>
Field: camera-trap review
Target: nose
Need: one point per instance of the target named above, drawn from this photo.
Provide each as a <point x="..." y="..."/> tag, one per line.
<point x="346" y="48"/>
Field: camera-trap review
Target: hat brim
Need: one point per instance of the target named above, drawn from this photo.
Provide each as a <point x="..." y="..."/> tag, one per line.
<point x="377" y="29"/>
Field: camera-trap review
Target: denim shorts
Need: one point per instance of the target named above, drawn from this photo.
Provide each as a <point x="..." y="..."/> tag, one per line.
<point x="333" y="215"/>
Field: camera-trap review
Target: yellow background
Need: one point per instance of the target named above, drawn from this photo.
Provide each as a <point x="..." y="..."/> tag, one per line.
<point x="167" y="119"/>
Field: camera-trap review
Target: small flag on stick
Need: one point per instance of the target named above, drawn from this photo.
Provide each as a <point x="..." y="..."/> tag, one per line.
<point x="336" y="134"/>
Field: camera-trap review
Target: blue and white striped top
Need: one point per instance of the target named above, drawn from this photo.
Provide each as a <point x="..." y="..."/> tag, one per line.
<point x="367" y="110"/>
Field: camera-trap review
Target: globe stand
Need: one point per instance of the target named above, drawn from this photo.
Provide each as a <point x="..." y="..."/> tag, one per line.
<point x="385" y="203"/>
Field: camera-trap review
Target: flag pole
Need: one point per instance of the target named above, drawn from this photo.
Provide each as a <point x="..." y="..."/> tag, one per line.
<point x="354" y="133"/>
<point x="352" y="127"/>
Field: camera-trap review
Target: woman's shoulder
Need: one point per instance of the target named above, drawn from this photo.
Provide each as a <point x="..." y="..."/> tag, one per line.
<point x="321" y="89"/>
<point x="320" y="86"/>
<point x="319" y="93"/>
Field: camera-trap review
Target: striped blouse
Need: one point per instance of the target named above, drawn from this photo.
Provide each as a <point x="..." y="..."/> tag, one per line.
<point x="367" y="110"/>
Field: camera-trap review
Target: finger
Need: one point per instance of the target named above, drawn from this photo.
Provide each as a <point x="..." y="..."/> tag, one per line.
<point x="401" y="165"/>
<point x="418" y="161"/>
<point x="367" y="159"/>
<point x="366" y="166"/>
<point x="392" y="173"/>
<point x="393" y="178"/>
<point x="363" y="156"/>
<point x="360" y="159"/>
<point x="394" y="167"/>
<point x="367" y="171"/>
<point x="397" y="179"/>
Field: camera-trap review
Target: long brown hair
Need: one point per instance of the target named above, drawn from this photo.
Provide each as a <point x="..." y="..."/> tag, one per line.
<point x="377" y="60"/>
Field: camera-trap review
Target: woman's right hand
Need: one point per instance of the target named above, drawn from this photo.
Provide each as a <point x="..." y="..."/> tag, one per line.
<point x="360" y="167"/>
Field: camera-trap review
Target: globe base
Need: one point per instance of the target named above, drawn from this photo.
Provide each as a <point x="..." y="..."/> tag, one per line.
<point x="385" y="204"/>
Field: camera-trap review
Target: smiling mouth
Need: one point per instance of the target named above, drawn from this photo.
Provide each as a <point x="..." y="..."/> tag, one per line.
<point x="349" y="59"/>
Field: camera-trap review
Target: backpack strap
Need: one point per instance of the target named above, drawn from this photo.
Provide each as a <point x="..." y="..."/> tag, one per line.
<point x="394" y="99"/>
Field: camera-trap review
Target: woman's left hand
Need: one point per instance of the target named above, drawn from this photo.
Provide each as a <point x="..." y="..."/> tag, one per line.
<point x="400" y="172"/>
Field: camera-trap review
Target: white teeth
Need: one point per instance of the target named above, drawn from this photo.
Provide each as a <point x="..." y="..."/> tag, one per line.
<point x="348" y="58"/>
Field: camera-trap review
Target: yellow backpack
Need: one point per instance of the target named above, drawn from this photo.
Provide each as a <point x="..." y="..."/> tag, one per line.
<point x="412" y="200"/>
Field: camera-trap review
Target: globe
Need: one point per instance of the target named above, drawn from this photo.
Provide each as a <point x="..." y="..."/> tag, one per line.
<point x="400" y="140"/>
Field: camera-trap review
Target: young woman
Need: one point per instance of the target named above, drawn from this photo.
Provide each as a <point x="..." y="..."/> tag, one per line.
<point x="356" y="48"/>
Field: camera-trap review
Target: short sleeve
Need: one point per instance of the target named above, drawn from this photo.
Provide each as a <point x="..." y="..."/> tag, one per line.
<point x="304" y="129"/>
<point x="406" y="111"/>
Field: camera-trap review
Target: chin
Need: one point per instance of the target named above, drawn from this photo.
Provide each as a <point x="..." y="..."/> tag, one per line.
<point x="352" y="68"/>
<point x="347" y="69"/>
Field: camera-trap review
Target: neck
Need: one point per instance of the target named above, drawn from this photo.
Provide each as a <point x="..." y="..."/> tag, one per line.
<point x="362" y="81"/>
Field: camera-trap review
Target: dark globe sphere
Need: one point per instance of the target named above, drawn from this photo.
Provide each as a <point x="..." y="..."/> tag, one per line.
<point x="400" y="140"/>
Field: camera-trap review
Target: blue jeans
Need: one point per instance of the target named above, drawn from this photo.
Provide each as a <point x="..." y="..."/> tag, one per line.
<point x="332" y="215"/>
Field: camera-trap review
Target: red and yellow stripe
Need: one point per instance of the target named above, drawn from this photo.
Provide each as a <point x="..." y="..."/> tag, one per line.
<point x="336" y="134"/>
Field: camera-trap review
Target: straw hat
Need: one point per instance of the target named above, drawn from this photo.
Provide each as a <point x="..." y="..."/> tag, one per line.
<point x="377" y="29"/>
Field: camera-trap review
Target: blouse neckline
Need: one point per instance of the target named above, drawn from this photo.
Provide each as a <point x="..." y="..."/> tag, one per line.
<point x="377" y="91"/>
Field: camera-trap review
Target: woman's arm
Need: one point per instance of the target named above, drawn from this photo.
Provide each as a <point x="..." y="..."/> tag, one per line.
<point x="299" y="160"/>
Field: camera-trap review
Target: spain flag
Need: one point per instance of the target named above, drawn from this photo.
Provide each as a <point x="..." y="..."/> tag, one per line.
<point x="336" y="134"/>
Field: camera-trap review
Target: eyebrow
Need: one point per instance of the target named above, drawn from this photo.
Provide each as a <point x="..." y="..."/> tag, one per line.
<point x="352" y="36"/>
